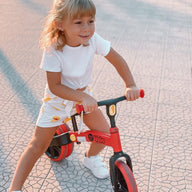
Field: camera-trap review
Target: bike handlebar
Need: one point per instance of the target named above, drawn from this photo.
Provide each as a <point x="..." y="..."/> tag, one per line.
<point x="80" y="108"/>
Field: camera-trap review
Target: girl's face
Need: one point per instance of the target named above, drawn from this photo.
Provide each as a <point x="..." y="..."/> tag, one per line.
<point x="79" y="30"/>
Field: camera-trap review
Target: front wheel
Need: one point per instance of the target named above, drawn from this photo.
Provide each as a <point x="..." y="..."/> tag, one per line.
<point x="124" y="179"/>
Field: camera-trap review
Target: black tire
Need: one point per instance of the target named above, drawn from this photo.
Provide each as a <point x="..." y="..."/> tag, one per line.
<point x="57" y="153"/>
<point x="124" y="179"/>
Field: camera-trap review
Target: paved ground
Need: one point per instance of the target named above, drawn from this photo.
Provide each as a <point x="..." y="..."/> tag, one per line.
<point x="155" y="37"/>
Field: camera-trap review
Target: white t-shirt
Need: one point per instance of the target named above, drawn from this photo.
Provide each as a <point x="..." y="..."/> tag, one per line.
<point x="75" y="63"/>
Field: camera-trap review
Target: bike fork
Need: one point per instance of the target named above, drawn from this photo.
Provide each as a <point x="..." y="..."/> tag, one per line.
<point x="112" y="160"/>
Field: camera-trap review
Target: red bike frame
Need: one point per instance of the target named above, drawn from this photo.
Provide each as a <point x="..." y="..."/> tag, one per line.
<point x="111" y="139"/>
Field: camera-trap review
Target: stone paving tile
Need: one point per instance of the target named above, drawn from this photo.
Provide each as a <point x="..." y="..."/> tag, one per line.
<point x="174" y="114"/>
<point x="11" y="133"/>
<point x="55" y="186"/>
<point x="176" y="97"/>
<point x="136" y="127"/>
<point x="141" y="174"/>
<point x="172" y="130"/>
<point x="33" y="93"/>
<point x="5" y="178"/>
<point x="33" y="184"/>
<point x="140" y="150"/>
<point x="172" y="146"/>
<point x="5" y="90"/>
<point x="170" y="179"/>
<point x="175" y="84"/>
<point x="15" y="112"/>
<point x="139" y="109"/>
<point x="169" y="153"/>
<point x="72" y="171"/>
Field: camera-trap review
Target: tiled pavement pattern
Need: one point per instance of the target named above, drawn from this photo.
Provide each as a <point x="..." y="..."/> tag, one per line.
<point x="155" y="37"/>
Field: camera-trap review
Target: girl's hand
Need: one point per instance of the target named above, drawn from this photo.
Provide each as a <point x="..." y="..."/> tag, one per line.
<point x="89" y="104"/>
<point x="132" y="93"/>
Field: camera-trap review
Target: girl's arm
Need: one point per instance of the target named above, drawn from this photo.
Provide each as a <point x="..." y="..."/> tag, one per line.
<point x="55" y="86"/>
<point x="131" y="92"/>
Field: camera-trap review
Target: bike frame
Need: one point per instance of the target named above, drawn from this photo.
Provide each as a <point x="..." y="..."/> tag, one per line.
<point x="112" y="139"/>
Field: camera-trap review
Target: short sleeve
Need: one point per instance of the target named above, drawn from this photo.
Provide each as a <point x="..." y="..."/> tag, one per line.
<point x="102" y="46"/>
<point x="50" y="62"/>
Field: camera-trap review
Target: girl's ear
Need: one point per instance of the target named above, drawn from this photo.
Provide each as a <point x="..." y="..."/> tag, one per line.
<point x="59" y="25"/>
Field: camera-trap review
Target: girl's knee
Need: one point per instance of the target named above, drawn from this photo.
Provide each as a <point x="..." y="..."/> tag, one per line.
<point x="96" y="121"/>
<point x="41" y="139"/>
<point x="37" y="147"/>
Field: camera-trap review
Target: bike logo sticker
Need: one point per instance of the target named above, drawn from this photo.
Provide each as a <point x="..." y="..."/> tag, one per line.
<point x="97" y="139"/>
<point x="72" y="137"/>
<point x="112" y="110"/>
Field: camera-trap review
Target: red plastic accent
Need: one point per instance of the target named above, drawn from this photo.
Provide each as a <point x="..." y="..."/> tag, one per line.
<point x="115" y="139"/>
<point x="69" y="147"/>
<point x="59" y="131"/>
<point x="66" y="150"/>
<point x="142" y="93"/>
<point x="79" y="108"/>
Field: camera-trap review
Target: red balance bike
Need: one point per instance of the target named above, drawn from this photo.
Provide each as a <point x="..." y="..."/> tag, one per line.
<point x="121" y="171"/>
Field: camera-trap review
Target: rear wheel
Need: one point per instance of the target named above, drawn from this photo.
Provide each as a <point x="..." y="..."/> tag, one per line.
<point x="57" y="153"/>
<point x="124" y="179"/>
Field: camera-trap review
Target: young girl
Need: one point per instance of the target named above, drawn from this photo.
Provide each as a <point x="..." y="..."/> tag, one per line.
<point x="70" y="42"/>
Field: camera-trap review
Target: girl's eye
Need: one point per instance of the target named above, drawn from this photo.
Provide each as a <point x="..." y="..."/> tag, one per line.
<point x="91" y="21"/>
<point x="78" y="22"/>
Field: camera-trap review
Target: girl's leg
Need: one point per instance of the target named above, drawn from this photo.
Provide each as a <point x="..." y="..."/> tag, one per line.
<point x="96" y="121"/>
<point x="37" y="146"/>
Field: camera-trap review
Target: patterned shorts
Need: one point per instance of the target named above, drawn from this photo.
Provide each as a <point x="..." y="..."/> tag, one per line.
<point x="55" y="110"/>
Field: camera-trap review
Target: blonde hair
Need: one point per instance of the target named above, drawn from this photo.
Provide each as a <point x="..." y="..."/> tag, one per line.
<point x="62" y="10"/>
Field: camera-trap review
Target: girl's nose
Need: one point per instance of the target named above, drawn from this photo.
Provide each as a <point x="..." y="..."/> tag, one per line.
<point x="86" y="27"/>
